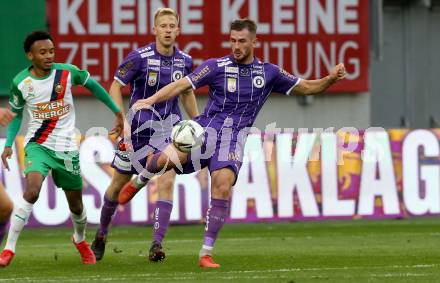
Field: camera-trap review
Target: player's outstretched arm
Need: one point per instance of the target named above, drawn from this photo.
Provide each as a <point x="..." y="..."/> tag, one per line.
<point x="189" y="103"/>
<point x="165" y="93"/>
<point x="99" y="92"/>
<point x="115" y="92"/>
<point x="311" y="87"/>
<point x="11" y="133"/>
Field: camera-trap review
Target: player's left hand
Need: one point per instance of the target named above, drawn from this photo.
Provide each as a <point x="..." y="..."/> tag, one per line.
<point x="338" y="72"/>
<point x="118" y="130"/>
<point x="141" y="104"/>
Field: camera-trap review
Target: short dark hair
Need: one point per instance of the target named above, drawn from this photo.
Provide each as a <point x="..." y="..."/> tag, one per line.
<point x="242" y="24"/>
<point x="34" y="36"/>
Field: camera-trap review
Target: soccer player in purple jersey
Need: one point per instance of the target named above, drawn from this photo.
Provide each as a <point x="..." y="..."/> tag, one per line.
<point x="239" y="84"/>
<point x="148" y="69"/>
<point x="6" y="206"/>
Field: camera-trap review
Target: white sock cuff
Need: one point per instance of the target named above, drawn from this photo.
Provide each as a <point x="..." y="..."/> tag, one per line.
<point x="79" y="217"/>
<point x="205" y="247"/>
<point x="24" y="204"/>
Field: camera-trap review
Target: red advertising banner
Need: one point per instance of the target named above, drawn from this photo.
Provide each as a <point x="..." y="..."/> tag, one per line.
<point x="305" y="37"/>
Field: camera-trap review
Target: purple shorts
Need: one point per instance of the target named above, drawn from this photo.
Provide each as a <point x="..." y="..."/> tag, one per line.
<point x="222" y="148"/>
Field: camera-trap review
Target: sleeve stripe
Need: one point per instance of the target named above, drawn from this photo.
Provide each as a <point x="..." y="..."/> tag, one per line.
<point x="119" y="80"/>
<point x="290" y="89"/>
<point x="14" y="106"/>
<point x="193" y="86"/>
<point x="87" y="78"/>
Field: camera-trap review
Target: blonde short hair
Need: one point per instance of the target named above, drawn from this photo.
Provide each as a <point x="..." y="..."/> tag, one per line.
<point x="165" y="11"/>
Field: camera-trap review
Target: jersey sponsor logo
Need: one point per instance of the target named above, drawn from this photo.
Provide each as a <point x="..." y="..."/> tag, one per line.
<point x="179" y="60"/>
<point x="28" y="87"/>
<point x="152" y="79"/>
<point x="177" y="75"/>
<point x="222" y="64"/>
<point x="203" y="72"/>
<point x="232" y="76"/>
<point x="233" y="70"/>
<point x="51" y="109"/>
<point x="232" y="84"/>
<point x="258" y="81"/>
<point x="287" y="74"/>
<point x="179" y="65"/>
<point x="147" y="54"/>
<point x="258" y="72"/>
<point x="233" y="156"/>
<point x="144" y="49"/>
<point x="154" y="62"/>
<point x="122" y="71"/>
<point x="156" y="69"/>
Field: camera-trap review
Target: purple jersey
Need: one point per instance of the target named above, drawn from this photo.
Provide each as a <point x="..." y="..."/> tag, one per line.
<point x="236" y="94"/>
<point x="147" y="71"/>
<point x="237" y="91"/>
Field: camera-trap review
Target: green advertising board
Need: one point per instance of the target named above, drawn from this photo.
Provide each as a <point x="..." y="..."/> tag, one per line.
<point x="17" y="19"/>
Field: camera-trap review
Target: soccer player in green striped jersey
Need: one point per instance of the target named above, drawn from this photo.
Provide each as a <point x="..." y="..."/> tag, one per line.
<point x="46" y="89"/>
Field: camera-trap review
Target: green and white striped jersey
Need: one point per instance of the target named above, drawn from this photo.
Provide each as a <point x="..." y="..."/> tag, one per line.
<point x="50" y="105"/>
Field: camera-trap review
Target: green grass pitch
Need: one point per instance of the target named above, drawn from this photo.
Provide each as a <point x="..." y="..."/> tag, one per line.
<point x="337" y="251"/>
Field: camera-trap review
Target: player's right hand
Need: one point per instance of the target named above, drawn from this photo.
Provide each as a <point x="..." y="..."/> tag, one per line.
<point x="6" y="116"/>
<point x="7" y="153"/>
<point x="141" y="104"/>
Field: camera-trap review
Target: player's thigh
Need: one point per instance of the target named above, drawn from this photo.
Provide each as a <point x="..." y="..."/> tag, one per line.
<point x="5" y="204"/>
<point x="222" y="181"/>
<point x="116" y="184"/>
<point x="66" y="172"/>
<point x="166" y="184"/>
<point x="172" y="157"/>
<point x="37" y="159"/>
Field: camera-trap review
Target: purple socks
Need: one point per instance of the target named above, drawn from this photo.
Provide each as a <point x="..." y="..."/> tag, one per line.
<point x="162" y="215"/>
<point x="107" y="212"/>
<point x="215" y="218"/>
<point x="2" y="230"/>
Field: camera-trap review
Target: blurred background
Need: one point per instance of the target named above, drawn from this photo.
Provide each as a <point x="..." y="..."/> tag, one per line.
<point x="391" y="52"/>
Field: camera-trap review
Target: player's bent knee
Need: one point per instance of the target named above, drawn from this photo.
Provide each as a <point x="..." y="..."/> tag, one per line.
<point x="31" y="194"/>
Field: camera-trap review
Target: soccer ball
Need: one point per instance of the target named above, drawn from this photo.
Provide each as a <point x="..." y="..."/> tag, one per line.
<point x="186" y="135"/>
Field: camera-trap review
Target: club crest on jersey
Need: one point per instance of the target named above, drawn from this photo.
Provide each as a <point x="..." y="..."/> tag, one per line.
<point x="58" y="88"/>
<point x="258" y="81"/>
<point x="232" y="84"/>
<point x="152" y="79"/>
<point x="177" y="75"/>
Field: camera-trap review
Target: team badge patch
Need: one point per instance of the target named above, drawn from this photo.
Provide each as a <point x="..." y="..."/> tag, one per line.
<point x="232" y="84"/>
<point x="258" y="81"/>
<point x="177" y="75"/>
<point x="152" y="79"/>
<point x="59" y="88"/>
